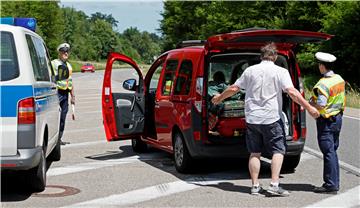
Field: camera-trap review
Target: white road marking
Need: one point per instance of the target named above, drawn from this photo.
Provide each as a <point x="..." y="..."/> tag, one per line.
<point x="304" y="156"/>
<point x="82" y="144"/>
<point x="350" y="198"/>
<point x="351" y="117"/>
<point x="342" y="164"/>
<point x="81" y="130"/>
<point x="152" y="192"/>
<point x="101" y="164"/>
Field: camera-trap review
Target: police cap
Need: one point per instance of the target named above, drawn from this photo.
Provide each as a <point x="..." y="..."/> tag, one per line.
<point x="325" y="57"/>
<point x="65" y="47"/>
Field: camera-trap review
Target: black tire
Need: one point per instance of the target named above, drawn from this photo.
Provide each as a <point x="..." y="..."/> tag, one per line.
<point x="37" y="175"/>
<point x="291" y="162"/>
<point x="55" y="155"/>
<point x="182" y="159"/>
<point x="138" y="145"/>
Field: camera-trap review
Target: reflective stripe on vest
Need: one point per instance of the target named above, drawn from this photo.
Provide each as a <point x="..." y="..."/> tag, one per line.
<point x="334" y="89"/>
<point x="63" y="84"/>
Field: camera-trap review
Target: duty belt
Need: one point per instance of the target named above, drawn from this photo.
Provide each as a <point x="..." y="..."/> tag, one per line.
<point x="332" y="118"/>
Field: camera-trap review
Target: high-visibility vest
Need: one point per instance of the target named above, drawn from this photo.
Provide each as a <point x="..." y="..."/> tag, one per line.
<point x="168" y="84"/>
<point x="333" y="88"/>
<point x="65" y="84"/>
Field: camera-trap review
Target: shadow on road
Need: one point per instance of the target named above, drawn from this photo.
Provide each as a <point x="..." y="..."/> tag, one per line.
<point x="15" y="185"/>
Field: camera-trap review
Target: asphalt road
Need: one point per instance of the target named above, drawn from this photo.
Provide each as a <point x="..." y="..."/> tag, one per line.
<point x="96" y="173"/>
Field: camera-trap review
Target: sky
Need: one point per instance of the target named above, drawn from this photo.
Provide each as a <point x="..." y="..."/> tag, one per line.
<point x="144" y="15"/>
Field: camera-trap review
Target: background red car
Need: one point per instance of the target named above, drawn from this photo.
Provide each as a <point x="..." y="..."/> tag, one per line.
<point x="87" y="67"/>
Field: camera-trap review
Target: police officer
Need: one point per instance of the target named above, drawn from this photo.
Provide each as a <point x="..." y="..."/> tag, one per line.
<point x="329" y="98"/>
<point x="63" y="71"/>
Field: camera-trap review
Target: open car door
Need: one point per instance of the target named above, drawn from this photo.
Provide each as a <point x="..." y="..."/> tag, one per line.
<point x="123" y="109"/>
<point x="255" y="38"/>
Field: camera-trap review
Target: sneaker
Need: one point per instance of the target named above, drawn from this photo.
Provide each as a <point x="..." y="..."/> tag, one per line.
<point x="278" y="191"/>
<point x="256" y="190"/>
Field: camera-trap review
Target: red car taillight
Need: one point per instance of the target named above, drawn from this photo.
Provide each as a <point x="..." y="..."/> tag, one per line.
<point x="26" y="111"/>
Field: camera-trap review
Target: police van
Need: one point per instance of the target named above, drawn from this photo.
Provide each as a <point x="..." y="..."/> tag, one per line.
<point x="30" y="112"/>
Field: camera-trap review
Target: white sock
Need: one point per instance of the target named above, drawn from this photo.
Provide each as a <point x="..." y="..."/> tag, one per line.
<point x="274" y="183"/>
<point x="257" y="185"/>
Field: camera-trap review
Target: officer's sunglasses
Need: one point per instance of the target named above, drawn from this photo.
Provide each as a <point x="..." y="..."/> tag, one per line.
<point x="64" y="50"/>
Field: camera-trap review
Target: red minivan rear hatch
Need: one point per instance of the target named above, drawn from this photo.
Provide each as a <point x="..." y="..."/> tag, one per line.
<point x="284" y="39"/>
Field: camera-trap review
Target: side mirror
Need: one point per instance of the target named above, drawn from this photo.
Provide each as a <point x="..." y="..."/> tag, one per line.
<point x="130" y="84"/>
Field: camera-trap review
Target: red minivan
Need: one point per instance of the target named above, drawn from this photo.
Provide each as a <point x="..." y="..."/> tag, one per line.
<point x="170" y="107"/>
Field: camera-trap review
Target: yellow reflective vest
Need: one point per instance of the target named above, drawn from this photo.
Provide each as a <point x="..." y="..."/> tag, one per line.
<point x="333" y="88"/>
<point x="64" y="84"/>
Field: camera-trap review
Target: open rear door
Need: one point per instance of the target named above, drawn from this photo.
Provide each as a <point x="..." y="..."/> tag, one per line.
<point x="123" y="106"/>
<point x="284" y="39"/>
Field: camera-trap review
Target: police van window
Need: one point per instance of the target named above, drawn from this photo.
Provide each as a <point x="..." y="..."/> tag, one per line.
<point x="169" y="75"/>
<point x="39" y="59"/>
<point x="183" y="79"/>
<point x="9" y="66"/>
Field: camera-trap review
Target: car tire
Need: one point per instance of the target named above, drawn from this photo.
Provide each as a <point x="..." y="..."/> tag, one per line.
<point x="182" y="159"/>
<point x="37" y="175"/>
<point x="55" y="155"/>
<point x="138" y="145"/>
<point x="290" y="162"/>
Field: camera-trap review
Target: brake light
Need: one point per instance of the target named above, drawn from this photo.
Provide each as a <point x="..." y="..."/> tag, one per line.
<point x="26" y="111"/>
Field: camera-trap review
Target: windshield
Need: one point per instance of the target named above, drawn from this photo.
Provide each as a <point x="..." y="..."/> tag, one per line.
<point x="8" y="59"/>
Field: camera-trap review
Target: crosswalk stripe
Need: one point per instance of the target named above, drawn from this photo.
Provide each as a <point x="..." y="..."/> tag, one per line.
<point x="153" y="192"/>
<point x="100" y="164"/>
<point x="350" y="198"/>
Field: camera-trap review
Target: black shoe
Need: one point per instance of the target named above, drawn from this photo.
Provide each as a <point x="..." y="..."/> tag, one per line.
<point x="324" y="190"/>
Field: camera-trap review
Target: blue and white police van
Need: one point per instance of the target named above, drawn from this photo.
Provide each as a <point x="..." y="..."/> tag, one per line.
<point x="30" y="112"/>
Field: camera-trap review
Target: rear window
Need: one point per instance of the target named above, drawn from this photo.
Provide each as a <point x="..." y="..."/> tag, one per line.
<point x="9" y="66"/>
<point x="233" y="65"/>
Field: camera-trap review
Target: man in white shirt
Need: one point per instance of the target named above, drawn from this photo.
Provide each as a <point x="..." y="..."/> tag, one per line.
<point x="264" y="84"/>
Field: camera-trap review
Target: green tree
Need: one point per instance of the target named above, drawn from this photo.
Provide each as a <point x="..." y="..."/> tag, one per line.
<point x="107" y="18"/>
<point x="343" y="19"/>
<point x="50" y="24"/>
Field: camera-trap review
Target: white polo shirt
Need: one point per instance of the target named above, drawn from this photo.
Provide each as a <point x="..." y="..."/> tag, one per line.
<point x="264" y="83"/>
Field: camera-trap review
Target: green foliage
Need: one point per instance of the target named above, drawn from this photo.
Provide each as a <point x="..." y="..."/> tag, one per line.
<point x="47" y="13"/>
<point x="184" y="20"/>
<point x="90" y="38"/>
<point x="343" y="19"/>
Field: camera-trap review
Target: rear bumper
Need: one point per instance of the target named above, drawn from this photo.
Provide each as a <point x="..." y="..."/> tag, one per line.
<point x="233" y="148"/>
<point x="24" y="160"/>
<point x="295" y="147"/>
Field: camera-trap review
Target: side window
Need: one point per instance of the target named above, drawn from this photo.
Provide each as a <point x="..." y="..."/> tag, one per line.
<point x="155" y="78"/>
<point x="8" y="58"/>
<point x="183" y="80"/>
<point x="169" y="75"/>
<point x="39" y="59"/>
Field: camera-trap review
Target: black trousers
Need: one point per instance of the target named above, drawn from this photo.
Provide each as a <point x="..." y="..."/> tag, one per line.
<point x="64" y="105"/>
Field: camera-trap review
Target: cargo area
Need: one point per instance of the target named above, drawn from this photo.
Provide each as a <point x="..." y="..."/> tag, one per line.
<point x="226" y="121"/>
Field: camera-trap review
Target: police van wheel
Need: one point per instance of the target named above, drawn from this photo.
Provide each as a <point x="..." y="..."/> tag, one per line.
<point x="37" y="175"/>
<point x="55" y="155"/>
<point x="290" y="162"/>
<point x="182" y="158"/>
<point x="138" y="145"/>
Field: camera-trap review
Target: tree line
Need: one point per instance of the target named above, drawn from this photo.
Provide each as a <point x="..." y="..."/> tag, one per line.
<point x="91" y="37"/>
<point x="188" y="20"/>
